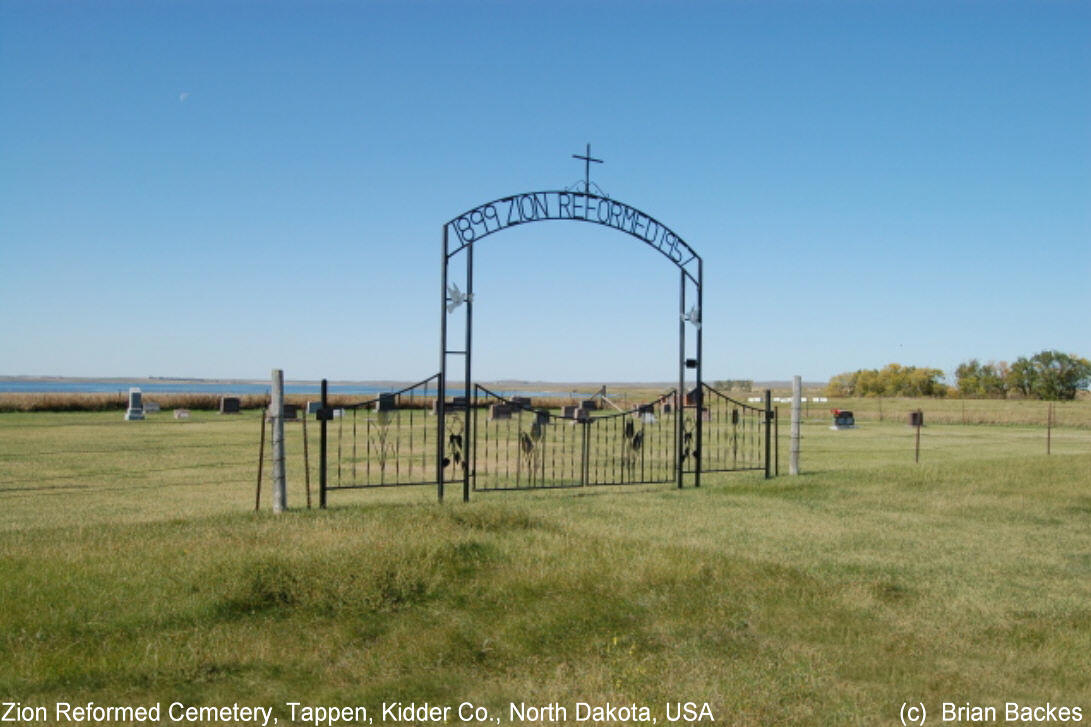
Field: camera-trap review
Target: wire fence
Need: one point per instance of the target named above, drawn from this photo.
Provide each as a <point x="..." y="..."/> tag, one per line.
<point x="68" y="468"/>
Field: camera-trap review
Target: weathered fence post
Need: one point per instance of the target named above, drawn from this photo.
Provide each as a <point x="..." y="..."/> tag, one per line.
<point x="793" y="452"/>
<point x="917" y="447"/>
<point x="276" y="413"/>
<point x="1049" y="429"/>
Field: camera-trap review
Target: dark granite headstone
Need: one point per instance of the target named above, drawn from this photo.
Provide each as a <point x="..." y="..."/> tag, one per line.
<point x="229" y="405"/>
<point x="386" y="402"/>
<point x="843" y="419"/>
<point x="499" y="411"/>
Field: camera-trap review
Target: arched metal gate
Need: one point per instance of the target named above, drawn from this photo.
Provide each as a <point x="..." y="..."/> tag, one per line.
<point x="485" y="441"/>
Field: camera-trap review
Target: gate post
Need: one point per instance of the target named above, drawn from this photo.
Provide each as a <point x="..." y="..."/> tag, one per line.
<point x="679" y="409"/>
<point x="768" y="420"/>
<point x="322" y="445"/>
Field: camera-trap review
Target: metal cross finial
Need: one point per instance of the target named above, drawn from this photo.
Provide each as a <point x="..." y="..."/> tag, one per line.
<point x="587" y="159"/>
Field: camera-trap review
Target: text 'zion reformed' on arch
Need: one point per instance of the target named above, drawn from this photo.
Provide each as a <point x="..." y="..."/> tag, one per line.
<point x="555" y="205"/>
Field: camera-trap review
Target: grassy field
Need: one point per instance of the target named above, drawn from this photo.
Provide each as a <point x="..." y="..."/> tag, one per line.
<point x="132" y="571"/>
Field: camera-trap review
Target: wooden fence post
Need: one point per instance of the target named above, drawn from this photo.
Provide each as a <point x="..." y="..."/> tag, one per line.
<point x="793" y="452"/>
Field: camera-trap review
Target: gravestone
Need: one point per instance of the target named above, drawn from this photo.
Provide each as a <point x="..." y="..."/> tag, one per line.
<point x="666" y="408"/>
<point x="135" y="412"/>
<point x="313" y="407"/>
<point x="291" y="411"/>
<point x="541" y="417"/>
<point x="229" y="405"/>
<point x="386" y="402"/>
<point x="569" y="411"/>
<point x="521" y="401"/>
<point x="150" y="407"/>
<point x="499" y="411"/>
<point x="181" y="413"/>
<point x="843" y="419"/>
<point x="582" y="415"/>
<point x="589" y="404"/>
<point x="916" y="418"/>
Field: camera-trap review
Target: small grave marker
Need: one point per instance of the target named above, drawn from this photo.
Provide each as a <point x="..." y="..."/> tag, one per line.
<point x="499" y="411"/>
<point x="229" y="405"/>
<point x="843" y="419"/>
<point x="181" y="413"/>
<point x="150" y="407"/>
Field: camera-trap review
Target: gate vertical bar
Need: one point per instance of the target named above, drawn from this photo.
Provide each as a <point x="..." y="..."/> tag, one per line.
<point x="700" y="389"/>
<point x="768" y="418"/>
<point x="776" y="441"/>
<point x="679" y="414"/>
<point x="324" y="403"/>
<point x="467" y="446"/>
<point x="441" y="385"/>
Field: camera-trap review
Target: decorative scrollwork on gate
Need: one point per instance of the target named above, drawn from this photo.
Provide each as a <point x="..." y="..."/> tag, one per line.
<point x="455" y="446"/>
<point x="689" y="448"/>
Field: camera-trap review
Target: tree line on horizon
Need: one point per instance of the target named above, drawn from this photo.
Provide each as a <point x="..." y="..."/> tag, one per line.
<point x="1048" y="375"/>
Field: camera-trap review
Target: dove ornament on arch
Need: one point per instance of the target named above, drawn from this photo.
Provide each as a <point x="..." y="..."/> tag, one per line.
<point x="456" y="297"/>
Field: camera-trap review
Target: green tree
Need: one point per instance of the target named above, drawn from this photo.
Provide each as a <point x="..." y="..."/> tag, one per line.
<point x="893" y="380"/>
<point x="982" y="380"/>
<point x="1058" y="376"/>
<point x="1021" y="376"/>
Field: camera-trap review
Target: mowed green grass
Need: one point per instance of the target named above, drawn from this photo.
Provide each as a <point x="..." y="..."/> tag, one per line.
<point x="827" y="599"/>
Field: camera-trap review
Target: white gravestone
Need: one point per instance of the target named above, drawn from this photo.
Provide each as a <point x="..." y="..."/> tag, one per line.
<point x="135" y="412"/>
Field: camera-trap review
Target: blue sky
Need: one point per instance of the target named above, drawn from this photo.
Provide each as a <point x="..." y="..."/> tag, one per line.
<point x="215" y="189"/>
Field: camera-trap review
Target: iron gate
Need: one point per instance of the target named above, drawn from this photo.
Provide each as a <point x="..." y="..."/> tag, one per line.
<point x="517" y="447"/>
<point x="492" y="442"/>
<point x="735" y="436"/>
<point x="386" y="441"/>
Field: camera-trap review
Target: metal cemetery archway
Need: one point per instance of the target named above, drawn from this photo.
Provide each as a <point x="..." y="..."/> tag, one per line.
<point x="457" y="449"/>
